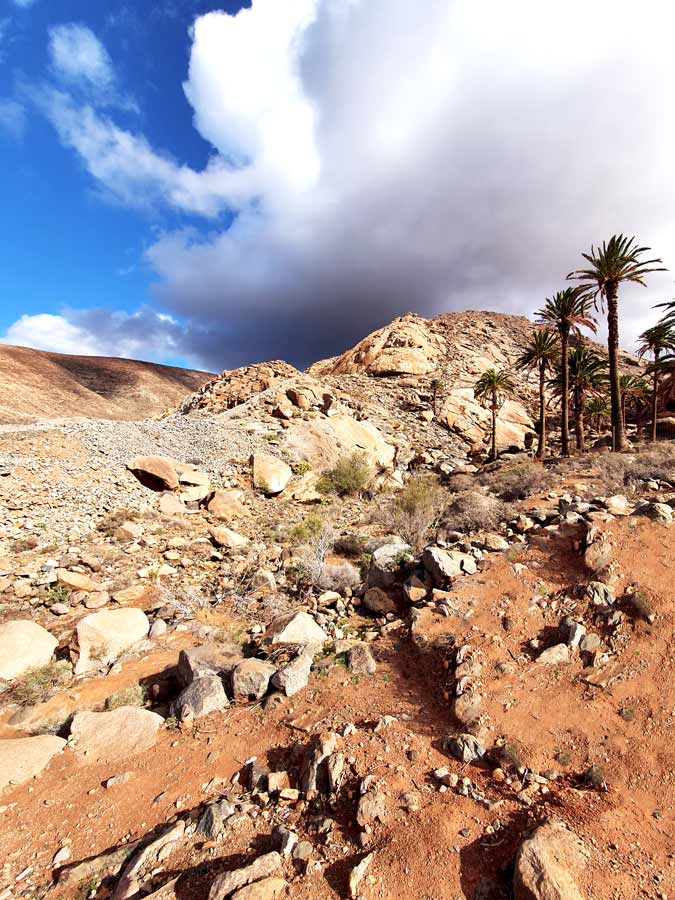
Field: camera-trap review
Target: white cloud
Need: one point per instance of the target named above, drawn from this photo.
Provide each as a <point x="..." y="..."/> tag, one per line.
<point x="77" y="54"/>
<point x="144" y="334"/>
<point x="12" y="118"/>
<point x="24" y="4"/>
<point x="388" y="155"/>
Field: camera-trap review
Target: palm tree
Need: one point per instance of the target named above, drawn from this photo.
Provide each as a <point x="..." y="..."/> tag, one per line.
<point x="598" y="409"/>
<point x="632" y="388"/>
<point x="567" y="311"/>
<point x="541" y="353"/>
<point x="617" y="261"/>
<point x="493" y="387"/>
<point x="587" y="375"/>
<point x="656" y="341"/>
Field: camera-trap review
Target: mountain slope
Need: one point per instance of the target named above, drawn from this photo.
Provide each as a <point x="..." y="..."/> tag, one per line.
<point x="35" y="384"/>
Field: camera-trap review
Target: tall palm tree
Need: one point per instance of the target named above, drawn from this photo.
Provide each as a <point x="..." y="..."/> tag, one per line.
<point x="541" y="353"/>
<point x="656" y="341"/>
<point x="493" y="387"/>
<point x="567" y="311"/>
<point x="587" y="375"/>
<point x="598" y="409"/>
<point x="619" y="260"/>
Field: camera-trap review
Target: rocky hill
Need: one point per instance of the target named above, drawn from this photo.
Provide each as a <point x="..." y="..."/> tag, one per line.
<point x="37" y="385"/>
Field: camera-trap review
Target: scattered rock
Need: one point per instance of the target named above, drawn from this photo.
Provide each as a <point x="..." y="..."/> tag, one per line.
<point x="466" y="748"/>
<point x="296" y="628"/>
<point x="294" y="676"/>
<point x="378" y="602"/>
<point x="270" y="475"/>
<point x="250" y="679"/>
<point x="546" y="865"/>
<point x="360" y="660"/>
<point x="357" y="875"/>
<point x="555" y="656"/>
<point x="264" y="866"/>
<point x="201" y="697"/>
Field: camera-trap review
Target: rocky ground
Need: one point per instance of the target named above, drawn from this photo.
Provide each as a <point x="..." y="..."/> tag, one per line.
<point x="220" y="678"/>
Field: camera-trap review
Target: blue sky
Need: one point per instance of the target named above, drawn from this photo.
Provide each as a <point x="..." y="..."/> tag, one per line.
<point x="64" y="244"/>
<point x="215" y="183"/>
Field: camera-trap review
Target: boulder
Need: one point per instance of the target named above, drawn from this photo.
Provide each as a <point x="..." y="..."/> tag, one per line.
<point x="156" y="472"/>
<point x="296" y="628"/>
<point x="321" y="442"/>
<point x="360" y="660"/>
<point x="75" y="581"/>
<point x="250" y="679"/>
<point x="444" y="565"/>
<point x="225" y="537"/>
<point x="546" y="864"/>
<point x="386" y="563"/>
<point x="226" y="505"/>
<point x="378" y="601"/>
<point x="598" y="556"/>
<point x="294" y="676"/>
<point x="415" y="589"/>
<point x="102" y="636"/>
<point x="464" y="415"/>
<point x="171" y="505"/>
<point x="265" y="889"/>
<point x="557" y="655"/>
<point x="264" y="866"/>
<point x="23" y="758"/>
<point x="270" y="474"/>
<point x="207" y="660"/>
<point x="114" y="735"/>
<point x="24" y="645"/>
<point x="201" y="697"/>
<point x="466" y="748"/>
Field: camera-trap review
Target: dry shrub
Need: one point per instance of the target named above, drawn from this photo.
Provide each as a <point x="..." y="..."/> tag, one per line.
<point x="474" y="511"/>
<point x="131" y="696"/>
<point x="37" y="685"/>
<point x="618" y="471"/>
<point x="516" y="481"/>
<point x="350" y="545"/>
<point x="113" y="520"/>
<point x="350" y="475"/>
<point x="416" y="510"/>
<point x="459" y="483"/>
<point x="338" y="576"/>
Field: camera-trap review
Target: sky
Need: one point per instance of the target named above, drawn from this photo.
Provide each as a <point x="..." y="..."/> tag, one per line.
<point x="212" y="184"/>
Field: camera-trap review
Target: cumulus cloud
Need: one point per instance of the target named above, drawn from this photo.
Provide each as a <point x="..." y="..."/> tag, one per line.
<point x="384" y="156"/>
<point x="144" y="334"/>
<point x="24" y="4"/>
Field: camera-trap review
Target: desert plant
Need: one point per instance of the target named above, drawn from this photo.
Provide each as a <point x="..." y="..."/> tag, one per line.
<point x="37" y="685"/>
<point x="492" y="388"/>
<point x="587" y="374"/>
<point x="619" y="260"/>
<point x="541" y="353"/>
<point x="304" y="531"/>
<point x="112" y="520"/>
<point x="516" y="481"/>
<point x="338" y="576"/>
<point x="350" y="475"/>
<point x="656" y="341"/>
<point x="567" y="311"/>
<point x="598" y="409"/>
<point x="134" y="695"/>
<point x="634" y="390"/>
<point x="475" y="511"/>
<point x="416" y="509"/>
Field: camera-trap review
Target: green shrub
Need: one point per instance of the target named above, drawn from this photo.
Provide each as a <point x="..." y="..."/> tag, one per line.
<point x="350" y="475"/>
<point x="306" y="530"/>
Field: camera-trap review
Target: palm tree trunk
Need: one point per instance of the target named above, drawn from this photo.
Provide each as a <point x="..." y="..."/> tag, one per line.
<point x="577" y="419"/>
<point x="618" y="434"/>
<point x="580" y="424"/>
<point x="638" y="427"/>
<point x="541" y="447"/>
<point x="493" y="454"/>
<point x="565" y="362"/>
<point x="655" y="395"/>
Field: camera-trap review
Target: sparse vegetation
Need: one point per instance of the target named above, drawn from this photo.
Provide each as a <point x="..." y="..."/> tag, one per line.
<point x="57" y="593"/>
<point x="305" y="531"/>
<point x="516" y="481"/>
<point x="112" y="520"/>
<point x="37" y="685"/>
<point x="416" y="509"/>
<point x="338" y="576"/>
<point x="475" y="511"/>
<point x="131" y="696"/>
<point x="350" y="475"/>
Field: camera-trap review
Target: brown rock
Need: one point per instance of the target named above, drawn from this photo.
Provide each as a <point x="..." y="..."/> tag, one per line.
<point x="226" y="505"/>
<point x="114" y="735"/>
<point x="546" y="865"/>
<point x="264" y="867"/>
<point x="23" y="758"/>
<point x="156" y="472"/>
<point x="75" y="581"/>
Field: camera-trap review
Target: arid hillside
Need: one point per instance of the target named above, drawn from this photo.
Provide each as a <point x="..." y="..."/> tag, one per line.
<point x="35" y="385"/>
